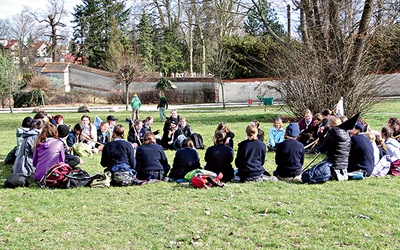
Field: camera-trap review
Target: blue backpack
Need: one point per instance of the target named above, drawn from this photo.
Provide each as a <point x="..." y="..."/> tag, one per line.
<point x="319" y="173"/>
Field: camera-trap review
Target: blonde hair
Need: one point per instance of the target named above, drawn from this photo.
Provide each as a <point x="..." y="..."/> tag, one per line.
<point x="370" y="136"/>
<point x="334" y="121"/>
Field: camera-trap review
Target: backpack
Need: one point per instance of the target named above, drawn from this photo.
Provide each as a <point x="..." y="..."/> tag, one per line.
<point x="178" y="141"/>
<point x="319" y="173"/>
<point x="16" y="180"/>
<point x="79" y="178"/>
<point x="82" y="149"/>
<point x="11" y="157"/>
<point x="101" y="180"/>
<point x="395" y="168"/>
<point x="201" y="178"/>
<point x="56" y="176"/>
<point x="197" y="141"/>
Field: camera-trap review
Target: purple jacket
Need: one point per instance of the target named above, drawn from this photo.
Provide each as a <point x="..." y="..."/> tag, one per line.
<point x="46" y="155"/>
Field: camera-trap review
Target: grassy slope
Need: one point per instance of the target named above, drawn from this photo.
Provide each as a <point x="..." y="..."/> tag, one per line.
<point x="358" y="214"/>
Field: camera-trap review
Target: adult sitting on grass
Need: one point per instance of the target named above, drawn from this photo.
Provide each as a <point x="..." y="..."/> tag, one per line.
<point x="289" y="156"/>
<point x="219" y="157"/>
<point x="118" y="155"/>
<point x="337" y="147"/>
<point x="186" y="159"/>
<point x="250" y="158"/>
<point x="152" y="163"/>
<point x="48" y="151"/>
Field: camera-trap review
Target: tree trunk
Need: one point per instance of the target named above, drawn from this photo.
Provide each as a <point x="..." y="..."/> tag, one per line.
<point x="223" y="94"/>
<point x="126" y="95"/>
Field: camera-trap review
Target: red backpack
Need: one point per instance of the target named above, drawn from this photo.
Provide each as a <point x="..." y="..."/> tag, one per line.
<point x="56" y="176"/>
<point x="395" y="168"/>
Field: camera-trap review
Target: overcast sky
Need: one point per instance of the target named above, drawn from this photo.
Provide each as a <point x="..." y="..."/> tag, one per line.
<point x="9" y="8"/>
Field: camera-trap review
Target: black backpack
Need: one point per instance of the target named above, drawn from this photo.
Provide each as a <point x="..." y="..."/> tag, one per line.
<point x="197" y="141"/>
<point x="79" y="178"/>
<point x="319" y="173"/>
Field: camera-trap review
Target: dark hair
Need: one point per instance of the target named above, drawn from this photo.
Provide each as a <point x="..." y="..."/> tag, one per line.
<point x="40" y="115"/>
<point x="78" y="127"/>
<point x="326" y="112"/>
<point x="37" y="124"/>
<point x="220" y="137"/>
<point x="387" y="132"/>
<point x="26" y="122"/>
<point x="187" y="143"/>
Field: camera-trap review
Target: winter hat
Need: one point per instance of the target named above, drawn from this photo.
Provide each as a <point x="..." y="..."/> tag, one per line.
<point x="63" y="130"/>
<point x="293" y="129"/>
<point x="359" y="126"/>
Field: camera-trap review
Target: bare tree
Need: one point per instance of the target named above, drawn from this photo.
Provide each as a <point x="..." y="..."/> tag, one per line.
<point x="124" y="63"/>
<point x="221" y="67"/>
<point x="53" y="18"/>
<point x="25" y="31"/>
<point x="329" y="61"/>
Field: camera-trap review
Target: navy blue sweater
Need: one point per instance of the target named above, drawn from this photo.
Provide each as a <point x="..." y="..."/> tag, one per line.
<point x="219" y="159"/>
<point x="186" y="160"/>
<point x="117" y="152"/>
<point x="250" y="158"/>
<point x="361" y="155"/>
<point x="151" y="157"/>
<point x="289" y="158"/>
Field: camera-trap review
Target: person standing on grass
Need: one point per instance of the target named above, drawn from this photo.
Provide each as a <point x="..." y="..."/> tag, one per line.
<point x="219" y="157"/>
<point x="49" y="150"/>
<point x="250" y="158"/>
<point x="118" y="154"/>
<point x="162" y="106"/>
<point x="135" y="104"/>
<point x="289" y="156"/>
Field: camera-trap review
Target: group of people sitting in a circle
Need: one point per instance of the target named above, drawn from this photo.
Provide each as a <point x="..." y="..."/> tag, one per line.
<point x="45" y="140"/>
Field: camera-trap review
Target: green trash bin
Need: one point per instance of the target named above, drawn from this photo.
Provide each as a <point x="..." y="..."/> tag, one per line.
<point x="268" y="100"/>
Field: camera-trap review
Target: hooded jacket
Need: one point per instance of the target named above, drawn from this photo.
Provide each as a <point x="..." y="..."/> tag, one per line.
<point x="47" y="154"/>
<point x="136" y="103"/>
<point x="23" y="162"/>
<point x="337" y="148"/>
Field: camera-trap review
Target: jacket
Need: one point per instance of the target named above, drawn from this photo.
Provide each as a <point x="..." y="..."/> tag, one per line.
<point x="136" y="103"/>
<point x="337" y="147"/>
<point x="47" y="154"/>
<point x="23" y="162"/>
<point x="163" y="103"/>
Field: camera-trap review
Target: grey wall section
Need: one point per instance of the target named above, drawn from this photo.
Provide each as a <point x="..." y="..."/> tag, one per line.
<point x="197" y="89"/>
<point x="243" y="90"/>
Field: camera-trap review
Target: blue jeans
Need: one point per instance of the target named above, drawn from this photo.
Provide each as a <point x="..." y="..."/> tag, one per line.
<point x="162" y="114"/>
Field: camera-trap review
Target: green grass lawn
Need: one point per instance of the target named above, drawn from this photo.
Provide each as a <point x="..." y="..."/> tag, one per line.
<point x="353" y="214"/>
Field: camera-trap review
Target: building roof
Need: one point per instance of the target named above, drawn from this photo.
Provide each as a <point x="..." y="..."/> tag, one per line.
<point x="10" y="44"/>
